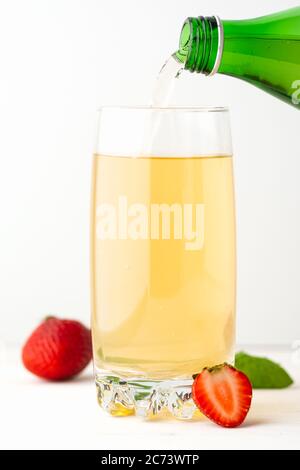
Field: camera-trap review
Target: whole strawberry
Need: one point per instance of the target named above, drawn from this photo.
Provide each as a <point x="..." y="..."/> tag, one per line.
<point x="58" y="349"/>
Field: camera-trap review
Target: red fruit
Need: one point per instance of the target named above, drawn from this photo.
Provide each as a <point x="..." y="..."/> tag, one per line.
<point x="58" y="349"/>
<point x="223" y="394"/>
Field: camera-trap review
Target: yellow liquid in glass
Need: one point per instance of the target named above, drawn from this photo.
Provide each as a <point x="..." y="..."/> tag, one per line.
<point x="161" y="310"/>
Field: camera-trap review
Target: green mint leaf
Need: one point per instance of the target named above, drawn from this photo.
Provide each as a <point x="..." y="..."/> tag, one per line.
<point x="262" y="372"/>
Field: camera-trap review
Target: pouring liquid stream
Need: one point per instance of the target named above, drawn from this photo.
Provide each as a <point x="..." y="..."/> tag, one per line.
<point x="161" y="95"/>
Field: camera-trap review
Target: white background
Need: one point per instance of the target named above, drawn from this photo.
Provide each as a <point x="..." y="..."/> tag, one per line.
<point x="60" y="60"/>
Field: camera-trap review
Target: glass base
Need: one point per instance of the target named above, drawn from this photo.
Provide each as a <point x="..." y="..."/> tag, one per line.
<point x="144" y="397"/>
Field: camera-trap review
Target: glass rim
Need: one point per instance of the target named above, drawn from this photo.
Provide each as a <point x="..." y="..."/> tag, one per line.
<point x="183" y="109"/>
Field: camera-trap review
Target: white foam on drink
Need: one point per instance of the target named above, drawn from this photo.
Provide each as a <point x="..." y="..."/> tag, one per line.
<point x="161" y="94"/>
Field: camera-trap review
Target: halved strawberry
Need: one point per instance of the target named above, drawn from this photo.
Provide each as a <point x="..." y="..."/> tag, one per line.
<point x="223" y="394"/>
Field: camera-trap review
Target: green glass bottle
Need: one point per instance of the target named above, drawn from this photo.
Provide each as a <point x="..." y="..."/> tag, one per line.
<point x="263" y="51"/>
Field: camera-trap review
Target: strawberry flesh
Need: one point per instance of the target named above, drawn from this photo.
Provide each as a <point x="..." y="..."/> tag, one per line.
<point x="223" y="394"/>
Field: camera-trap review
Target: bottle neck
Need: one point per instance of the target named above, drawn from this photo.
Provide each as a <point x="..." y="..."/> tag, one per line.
<point x="201" y="44"/>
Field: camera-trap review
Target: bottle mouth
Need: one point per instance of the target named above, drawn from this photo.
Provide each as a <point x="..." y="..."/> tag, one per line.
<point x="184" y="42"/>
<point x="201" y="44"/>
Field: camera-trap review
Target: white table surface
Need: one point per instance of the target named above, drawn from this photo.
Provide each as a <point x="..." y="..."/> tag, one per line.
<point x="39" y="415"/>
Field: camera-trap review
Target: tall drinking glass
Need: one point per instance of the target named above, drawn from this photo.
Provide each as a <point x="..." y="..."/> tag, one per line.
<point x="162" y="255"/>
